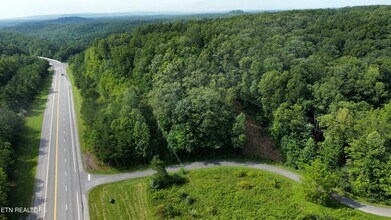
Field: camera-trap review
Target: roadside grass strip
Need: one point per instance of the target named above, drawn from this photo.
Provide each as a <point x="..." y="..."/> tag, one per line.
<point x="22" y="176"/>
<point x="130" y="201"/>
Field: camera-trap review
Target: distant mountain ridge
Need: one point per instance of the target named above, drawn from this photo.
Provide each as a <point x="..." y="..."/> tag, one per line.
<point x="72" y="19"/>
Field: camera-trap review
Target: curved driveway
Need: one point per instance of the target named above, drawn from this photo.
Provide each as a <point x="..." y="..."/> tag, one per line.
<point x="96" y="180"/>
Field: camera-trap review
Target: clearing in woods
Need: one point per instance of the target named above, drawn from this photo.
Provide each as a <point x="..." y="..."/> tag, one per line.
<point x="215" y="193"/>
<point x="130" y="201"/>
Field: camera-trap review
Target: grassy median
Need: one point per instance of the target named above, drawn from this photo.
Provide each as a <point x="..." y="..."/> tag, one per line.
<point x="216" y="193"/>
<point x="22" y="176"/>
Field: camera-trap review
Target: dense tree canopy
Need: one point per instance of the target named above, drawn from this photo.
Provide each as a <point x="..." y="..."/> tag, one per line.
<point x="63" y="37"/>
<point x="319" y="79"/>
<point x="21" y="78"/>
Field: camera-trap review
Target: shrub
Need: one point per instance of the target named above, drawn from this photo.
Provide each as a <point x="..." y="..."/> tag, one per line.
<point x="245" y="185"/>
<point x="183" y="194"/>
<point x="276" y="184"/>
<point x="167" y="211"/>
<point x="251" y="174"/>
<point x="318" y="183"/>
<point x="163" y="181"/>
<point x="177" y="179"/>
<point x="156" y="183"/>
<point x="315" y="193"/>
<point x="240" y="173"/>
<point x="315" y="217"/>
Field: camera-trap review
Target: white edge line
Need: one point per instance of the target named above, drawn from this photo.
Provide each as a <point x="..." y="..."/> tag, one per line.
<point x="71" y="127"/>
<point x="50" y="138"/>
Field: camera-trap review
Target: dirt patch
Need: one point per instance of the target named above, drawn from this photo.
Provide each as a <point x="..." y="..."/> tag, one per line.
<point x="259" y="143"/>
<point x="90" y="162"/>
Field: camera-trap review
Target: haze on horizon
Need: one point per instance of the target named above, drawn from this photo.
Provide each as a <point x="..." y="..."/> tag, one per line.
<point x="23" y="8"/>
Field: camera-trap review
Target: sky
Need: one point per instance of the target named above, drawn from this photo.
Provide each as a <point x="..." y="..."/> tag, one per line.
<point x="24" y="8"/>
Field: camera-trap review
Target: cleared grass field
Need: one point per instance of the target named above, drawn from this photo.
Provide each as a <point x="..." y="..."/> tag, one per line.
<point x="23" y="172"/>
<point x="130" y="201"/>
<point x="217" y="193"/>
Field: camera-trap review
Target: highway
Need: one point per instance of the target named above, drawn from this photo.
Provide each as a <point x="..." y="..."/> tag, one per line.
<point x="59" y="178"/>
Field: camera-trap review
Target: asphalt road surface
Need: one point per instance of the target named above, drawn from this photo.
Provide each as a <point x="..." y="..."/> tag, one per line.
<point x="58" y="178"/>
<point x="61" y="183"/>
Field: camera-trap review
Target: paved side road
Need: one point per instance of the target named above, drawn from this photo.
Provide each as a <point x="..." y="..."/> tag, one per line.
<point x="103" y="179"/>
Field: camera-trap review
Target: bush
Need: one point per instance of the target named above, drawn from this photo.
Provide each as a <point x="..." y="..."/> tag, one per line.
<point x="276" y="184"/>
<point x="167" y="211"/>
<point x="315" y="217"/>
<point x="245" y="185"/>
<point x="183" y="194"/>
<point x="251" y="174"/>
<point x="315" y="193"/>
<point x="163" y="181"/>
<point x="157" y="182"/>
<point x="240" y="173"/>
<point x="177" y="179"/>
<point x="318" y="183"/>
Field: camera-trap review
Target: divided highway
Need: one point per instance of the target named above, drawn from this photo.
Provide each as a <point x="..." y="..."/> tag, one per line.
<point x="61" y="184"/>
<point x="59" y="174"/>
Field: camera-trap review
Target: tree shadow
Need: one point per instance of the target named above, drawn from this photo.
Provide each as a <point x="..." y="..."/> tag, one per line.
<point x="38" y="106"/>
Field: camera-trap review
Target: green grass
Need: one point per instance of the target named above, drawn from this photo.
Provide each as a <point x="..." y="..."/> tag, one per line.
<point x="130" y="201"/>
<point x="217" y="193"/>
<point x="22" y="176"/>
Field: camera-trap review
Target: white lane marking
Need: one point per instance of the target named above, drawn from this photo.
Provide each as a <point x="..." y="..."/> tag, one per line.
<point x="64" y="132"/>
<point x="66" y="189"/>
<point x="78" y="205"/>
<point x="66" y="207"/>
<point x="65" y="173"/>
<point x="65" y="160"/>
<point x="71" y="127"/>
<point x="64" y="140"/>
<point x="89" y="177"/>
<point x="65" y="150"/>
<point x="50" y="138"/>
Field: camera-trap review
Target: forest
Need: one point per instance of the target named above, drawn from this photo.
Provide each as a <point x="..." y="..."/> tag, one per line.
<point x="318" y="80"/>
<point x="22" y="74"/>
<point x="63" y="37"/>
<point x="21" y="78"/>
